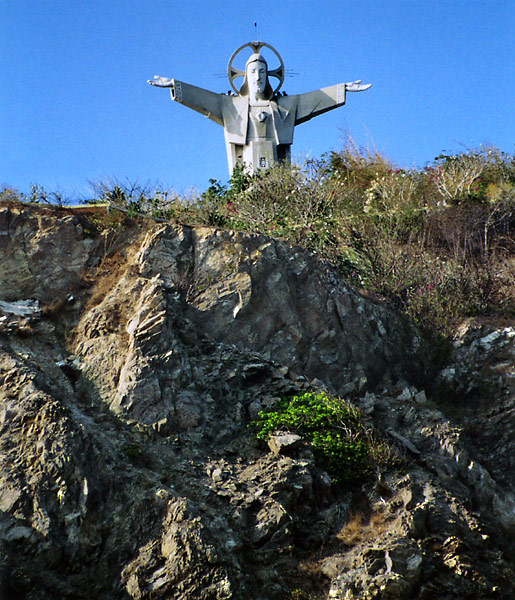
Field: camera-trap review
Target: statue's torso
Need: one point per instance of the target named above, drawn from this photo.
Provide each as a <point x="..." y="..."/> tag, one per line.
<point x="261" y="123"/>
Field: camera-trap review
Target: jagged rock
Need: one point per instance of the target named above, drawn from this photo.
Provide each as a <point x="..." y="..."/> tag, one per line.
<point x="389" y="573"/>
<point x="263" y="295"/>
<point x="127" y="467"/>
<point x="21" y="308"/>
<point x="43" y="253"/>
<point x="282" y="443"/>
<point x="481" y="376"/>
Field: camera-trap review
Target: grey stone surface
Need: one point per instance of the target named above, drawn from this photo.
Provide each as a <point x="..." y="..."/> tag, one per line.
<point x="292" y="308"/>
<point x="41" y="256"/>
<point x="282" y="443"/>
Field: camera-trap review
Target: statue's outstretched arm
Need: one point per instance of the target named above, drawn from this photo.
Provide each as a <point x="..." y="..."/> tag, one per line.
<point x="315" y="103"/>
<point x="203" y="101"/>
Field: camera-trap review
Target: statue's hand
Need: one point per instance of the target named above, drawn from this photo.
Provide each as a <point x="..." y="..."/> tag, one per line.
<point x="161" y="81"/>
<point x="355" y="86"/>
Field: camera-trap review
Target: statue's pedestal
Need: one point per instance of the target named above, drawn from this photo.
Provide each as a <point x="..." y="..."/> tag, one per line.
<point x="260" y="154"/>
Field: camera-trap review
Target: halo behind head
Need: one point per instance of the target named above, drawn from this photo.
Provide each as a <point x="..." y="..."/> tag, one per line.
<point x="234" y="72"/>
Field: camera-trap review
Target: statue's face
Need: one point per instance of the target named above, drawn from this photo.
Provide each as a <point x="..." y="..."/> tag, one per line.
<point x="256" y="78"/>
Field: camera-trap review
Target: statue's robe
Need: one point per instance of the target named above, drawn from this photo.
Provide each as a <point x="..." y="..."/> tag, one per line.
<point x="258" y="145"/>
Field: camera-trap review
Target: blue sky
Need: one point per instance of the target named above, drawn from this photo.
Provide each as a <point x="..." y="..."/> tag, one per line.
<point x="75" y="107"/>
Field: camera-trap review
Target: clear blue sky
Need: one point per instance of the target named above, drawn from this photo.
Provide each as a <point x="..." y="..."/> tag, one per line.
<point x="75" y="106"/>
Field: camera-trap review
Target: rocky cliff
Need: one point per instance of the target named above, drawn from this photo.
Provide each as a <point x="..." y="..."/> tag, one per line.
<point x="132" y="359"/>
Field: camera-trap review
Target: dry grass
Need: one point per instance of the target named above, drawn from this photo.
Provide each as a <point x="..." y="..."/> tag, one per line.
<point x="359" y="529"/>
<point x="353" y="532"/>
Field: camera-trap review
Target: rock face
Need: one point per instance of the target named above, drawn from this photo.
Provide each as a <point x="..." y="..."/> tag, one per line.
<point x="127" y="468"/>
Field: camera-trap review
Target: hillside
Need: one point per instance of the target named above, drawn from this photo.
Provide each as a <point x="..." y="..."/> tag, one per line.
<point x="134" y="357"/>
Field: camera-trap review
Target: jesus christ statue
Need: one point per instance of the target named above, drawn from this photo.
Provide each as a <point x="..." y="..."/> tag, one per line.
<point x="258" y="121"/>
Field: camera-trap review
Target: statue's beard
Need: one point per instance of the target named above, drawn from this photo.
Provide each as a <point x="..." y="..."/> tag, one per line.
<point x="259" y="89"/>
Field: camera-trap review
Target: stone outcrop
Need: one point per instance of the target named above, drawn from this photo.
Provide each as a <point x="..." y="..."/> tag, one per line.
<point x="128" y="469"/>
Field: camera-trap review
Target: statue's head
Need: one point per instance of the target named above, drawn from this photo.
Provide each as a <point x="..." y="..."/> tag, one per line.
<point x="256" y="79"/>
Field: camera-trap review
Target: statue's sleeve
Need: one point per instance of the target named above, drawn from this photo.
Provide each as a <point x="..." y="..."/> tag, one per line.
<point x="203" y="101"/>
<point x="315" y="103"/>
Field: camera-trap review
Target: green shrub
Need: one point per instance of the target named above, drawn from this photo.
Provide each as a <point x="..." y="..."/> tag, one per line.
<point x="484" y="175"/>
<point x="133" y="451"/>
<point x="137" y="199"/>
<point x="290" y="202"/>
<point x="457" y="176"/>
<point x="333" y="427"/>
<point x="216" y="207"/>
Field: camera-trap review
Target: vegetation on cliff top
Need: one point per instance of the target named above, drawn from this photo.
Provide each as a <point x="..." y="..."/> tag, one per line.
<point x="437" y="242"/>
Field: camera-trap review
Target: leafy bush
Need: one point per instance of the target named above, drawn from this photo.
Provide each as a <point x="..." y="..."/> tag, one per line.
<point x="333" y="428"/>
<point x="38" y="195"/>
<point x="457" y="176"/>
<point x="291" y="202"/>
<point x="136" y="198"/>
<point x="8" y="194"/>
